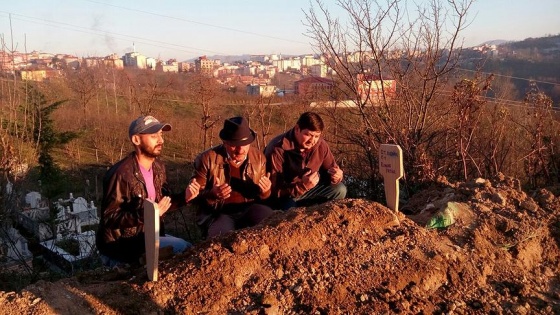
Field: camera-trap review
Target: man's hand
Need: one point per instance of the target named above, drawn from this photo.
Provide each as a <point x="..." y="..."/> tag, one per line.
<point x="265" y="183"/>
<point x="336" y="174"/>
<point x="192" y="190"/>
<point x="164" y="205"/>
<point x="221" y="191"/>
<point x="310" y="179"/>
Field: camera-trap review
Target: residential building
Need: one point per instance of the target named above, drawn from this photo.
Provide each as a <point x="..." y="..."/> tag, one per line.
<point x="284" y="65"/>
<point x="204" y="65"/>
<point x="135" y="60"/>
<point x="314" y="87"/>
<point x="167" y="66"/>
<point x="36" y="75"/>
<point x="185" y="66"/>
<point x="318" y="70"/>
<point x="151" y="63"/>
<point x="113" y="61"/>
<point x="261" y="90"/>
<point x="372" y="88"/>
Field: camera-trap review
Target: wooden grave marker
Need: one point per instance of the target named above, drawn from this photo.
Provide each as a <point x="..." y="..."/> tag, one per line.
<point x="151" y="237"/>
<point x="391" y="168"/>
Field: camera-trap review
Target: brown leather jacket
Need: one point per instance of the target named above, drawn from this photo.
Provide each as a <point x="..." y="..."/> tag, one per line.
<point x="287" y="164"/>
<point x="211" y="167"/>
<point x="121" y="228"/>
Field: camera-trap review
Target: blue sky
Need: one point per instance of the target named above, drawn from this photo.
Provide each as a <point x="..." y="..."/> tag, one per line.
<point x="185" y="29"/>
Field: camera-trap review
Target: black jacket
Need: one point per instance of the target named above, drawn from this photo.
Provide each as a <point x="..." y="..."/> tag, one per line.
<point x="121" y="228"/>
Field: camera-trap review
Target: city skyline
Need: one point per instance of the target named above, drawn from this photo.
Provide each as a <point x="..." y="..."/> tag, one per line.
<point x="186" y="29"/>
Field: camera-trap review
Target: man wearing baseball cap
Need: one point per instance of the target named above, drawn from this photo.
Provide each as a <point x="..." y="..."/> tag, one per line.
<point x="233" y="181"/>
<point x="140" y="175"/>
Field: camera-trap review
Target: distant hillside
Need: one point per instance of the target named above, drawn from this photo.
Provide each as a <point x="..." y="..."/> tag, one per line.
<point x="233" y="58"/>
<point x="495" y="42"/>
<point x="532" y="59"/>
<point x="542" y="44"/>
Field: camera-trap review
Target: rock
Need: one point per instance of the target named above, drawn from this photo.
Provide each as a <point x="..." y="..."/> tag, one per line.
<point x="529" y="205"/>
<point x="499" y="199"/>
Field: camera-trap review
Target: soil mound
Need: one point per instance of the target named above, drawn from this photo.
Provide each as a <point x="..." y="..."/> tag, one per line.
<point x="500" y="255"/>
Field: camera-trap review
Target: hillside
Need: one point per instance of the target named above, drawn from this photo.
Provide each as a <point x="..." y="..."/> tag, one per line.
<point x="348" y="257"/>
<point x="521" y="62"/>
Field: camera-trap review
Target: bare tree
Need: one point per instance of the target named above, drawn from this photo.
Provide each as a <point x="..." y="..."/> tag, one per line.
<point x="537" y="137"/>
<point x="260" y="118"/>
<point x="468" y="101"/>
<point x="147" y="90"/>
<point x="417" y="47"/>
<point x="204" y="92"/>
<point x="83" y="83"/>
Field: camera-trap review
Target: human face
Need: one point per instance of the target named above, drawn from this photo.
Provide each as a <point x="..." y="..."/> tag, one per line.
<point x="150" y="145"/>
<point x="306" y="138"/>
<point x="237" y="152"/>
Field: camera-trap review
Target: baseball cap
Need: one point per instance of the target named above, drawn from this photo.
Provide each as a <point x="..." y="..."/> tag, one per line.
<point x="146" y="125"/>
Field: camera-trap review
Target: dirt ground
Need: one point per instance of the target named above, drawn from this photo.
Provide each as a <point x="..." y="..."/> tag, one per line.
<point x="501" y="256"/>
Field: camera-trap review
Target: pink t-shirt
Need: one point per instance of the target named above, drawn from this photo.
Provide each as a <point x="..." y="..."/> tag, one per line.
<point x="149" y="179"/>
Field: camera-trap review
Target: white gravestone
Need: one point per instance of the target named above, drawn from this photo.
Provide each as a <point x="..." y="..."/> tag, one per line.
<point x="151" y="236"/>
<point x="33" y="199"/>
<point x="80" y="205"/>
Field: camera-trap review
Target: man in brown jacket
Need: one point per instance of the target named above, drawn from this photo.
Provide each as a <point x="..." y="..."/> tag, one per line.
<point x="140" y="175"/>
<point x="302" y="168"/>
<point x="234" y="181"/>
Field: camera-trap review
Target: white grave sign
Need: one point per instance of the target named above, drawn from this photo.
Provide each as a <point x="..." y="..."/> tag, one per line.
<point x="391" y="168"/>
<point x="33" y="199"/>
<point x="80" y="205"/>
<point x="151" y="237"/>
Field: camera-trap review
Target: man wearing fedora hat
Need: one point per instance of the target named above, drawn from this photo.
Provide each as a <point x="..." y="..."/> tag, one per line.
<point x="140" y="175"/>
<point x="233" y="181"/>
<point x="302" y="167"/>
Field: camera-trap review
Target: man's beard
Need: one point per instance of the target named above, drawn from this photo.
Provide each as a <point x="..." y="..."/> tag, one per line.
<point x="151" y="152"/>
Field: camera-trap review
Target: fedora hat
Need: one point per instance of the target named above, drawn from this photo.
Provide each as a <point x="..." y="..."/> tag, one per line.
<point x="236" y="132"/>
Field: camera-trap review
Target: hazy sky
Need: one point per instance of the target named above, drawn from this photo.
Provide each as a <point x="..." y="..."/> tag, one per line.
<point x="185" y="29"/>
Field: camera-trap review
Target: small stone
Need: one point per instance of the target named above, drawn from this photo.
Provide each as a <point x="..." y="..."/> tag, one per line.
<point x="499" y="199"/>
<point x="405" y="304"/>
<point x="529" y="205"/>
<point x="480" y="181"/>
<point x="519" y="309"/>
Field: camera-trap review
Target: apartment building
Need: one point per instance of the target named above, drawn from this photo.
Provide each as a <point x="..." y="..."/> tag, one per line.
<point x="261" y="90"/>
<point x="372" y="88"/>
<point x="204" y="65"/>
<point x="135" y="59"/>
<point x="314" y="87"/>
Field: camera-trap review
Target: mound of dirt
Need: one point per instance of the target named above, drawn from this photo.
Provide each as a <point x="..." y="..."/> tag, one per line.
<point x="500" y="256"/>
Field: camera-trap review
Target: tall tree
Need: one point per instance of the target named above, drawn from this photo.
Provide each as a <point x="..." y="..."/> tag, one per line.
<point x="46" y="139"/>
<point x="204" y="92"/>
<point x="372" y="43"/>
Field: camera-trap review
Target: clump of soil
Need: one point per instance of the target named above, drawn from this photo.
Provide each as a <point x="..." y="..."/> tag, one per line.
<point x="347" y="257"/>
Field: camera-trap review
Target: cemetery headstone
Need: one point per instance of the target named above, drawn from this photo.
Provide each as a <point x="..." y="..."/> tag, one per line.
<point x="151" y="235"/>
<point x="391" y="168"/>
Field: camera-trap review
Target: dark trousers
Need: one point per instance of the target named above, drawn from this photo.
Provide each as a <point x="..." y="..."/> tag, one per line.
<point x="237" y="217"/>
<point x="316" y="195"/>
